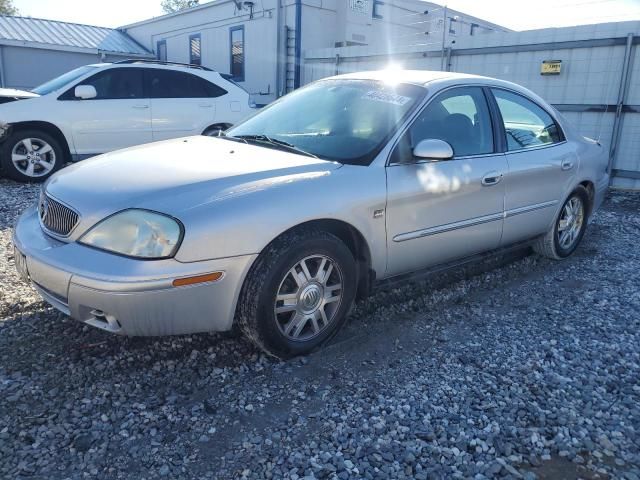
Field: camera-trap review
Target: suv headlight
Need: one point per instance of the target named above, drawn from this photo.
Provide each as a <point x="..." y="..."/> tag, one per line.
<point x="136" y="233"/>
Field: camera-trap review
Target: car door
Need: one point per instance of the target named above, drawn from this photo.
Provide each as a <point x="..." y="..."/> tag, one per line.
<point x="118" y="117"/>
<point x="541" y="166"/>
<point x="182" y="104"/>
<point x="438" y="211"/>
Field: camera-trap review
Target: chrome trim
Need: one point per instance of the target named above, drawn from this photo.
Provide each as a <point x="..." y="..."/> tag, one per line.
<point x="529" y="208"/>
<point x="65" y="220"/>
<point x="403" y="237"/>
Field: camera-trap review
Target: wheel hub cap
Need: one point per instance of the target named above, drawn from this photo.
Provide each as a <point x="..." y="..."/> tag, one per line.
<point x="570" y="223"/>
<point x="33" y="157"/>
<point x="308" y="298"/>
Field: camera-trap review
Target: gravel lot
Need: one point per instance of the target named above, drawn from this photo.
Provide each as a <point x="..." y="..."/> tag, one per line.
<point x="523" y="368"/>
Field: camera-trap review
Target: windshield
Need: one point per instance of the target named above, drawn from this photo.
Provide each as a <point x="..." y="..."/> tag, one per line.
<point x="59" y="82"/>
<point x="348" y="121"/>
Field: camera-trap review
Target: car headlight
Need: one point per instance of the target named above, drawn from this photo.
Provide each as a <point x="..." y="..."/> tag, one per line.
<point x="136" y="233"/>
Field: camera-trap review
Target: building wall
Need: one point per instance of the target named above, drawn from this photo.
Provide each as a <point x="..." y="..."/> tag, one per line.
<point x="26" y="68"/>
<point x="586" y="91"/>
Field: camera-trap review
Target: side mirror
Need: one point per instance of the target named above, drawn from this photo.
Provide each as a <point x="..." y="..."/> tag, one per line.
<point x="433" y="149"/>
<point x="85" y="92"/>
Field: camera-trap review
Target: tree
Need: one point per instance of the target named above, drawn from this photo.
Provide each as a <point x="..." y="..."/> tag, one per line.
<point x="7" y="8"/>
<point x="170" y="6"/>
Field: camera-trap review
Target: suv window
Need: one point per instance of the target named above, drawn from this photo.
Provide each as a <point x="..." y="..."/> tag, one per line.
<point x="460" y="117"/>
<point x="172" y="84"/>
<point x="113" y="84"/>
<point x="526" y="124"/>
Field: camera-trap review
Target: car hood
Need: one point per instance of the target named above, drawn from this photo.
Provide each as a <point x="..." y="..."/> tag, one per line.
<point x="177" y="175"/>
<point x="14" y="93"/>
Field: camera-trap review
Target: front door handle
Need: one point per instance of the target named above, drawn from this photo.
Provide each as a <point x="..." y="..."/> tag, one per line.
<point x="567" y="165"/>
<point x="141" y="106"/>
<point x="491" y="178"/>
<point x="206" y="105"/>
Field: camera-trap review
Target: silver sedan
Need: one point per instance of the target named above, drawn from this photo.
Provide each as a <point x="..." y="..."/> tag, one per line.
<point x="281" y="223"/>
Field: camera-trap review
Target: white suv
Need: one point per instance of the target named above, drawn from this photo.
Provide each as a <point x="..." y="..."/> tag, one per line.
<point x="99" y="108"/>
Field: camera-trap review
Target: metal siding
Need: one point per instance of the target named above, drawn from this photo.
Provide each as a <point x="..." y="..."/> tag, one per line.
<point x="49" y="32"/>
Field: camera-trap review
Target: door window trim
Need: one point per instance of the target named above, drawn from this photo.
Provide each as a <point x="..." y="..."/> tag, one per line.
<point x="403" y="130"/>
<point x="563" y="137"/>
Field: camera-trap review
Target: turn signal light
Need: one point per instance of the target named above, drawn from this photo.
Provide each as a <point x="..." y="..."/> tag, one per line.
<point x="209" y="277"/>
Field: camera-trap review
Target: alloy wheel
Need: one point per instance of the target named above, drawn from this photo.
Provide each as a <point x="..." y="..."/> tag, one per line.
<point x="33" y="157"/>
<point x="570" y="223"/>
<point x="308" y="298"/>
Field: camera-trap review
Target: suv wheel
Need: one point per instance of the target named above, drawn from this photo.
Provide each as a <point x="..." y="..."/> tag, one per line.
<point x="30" y="156"/>
<point x="298" y="293"/>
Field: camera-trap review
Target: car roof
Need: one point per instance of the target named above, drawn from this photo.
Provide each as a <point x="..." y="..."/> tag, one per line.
<point x="158" y="65"/>
<point x="417" y="77"/>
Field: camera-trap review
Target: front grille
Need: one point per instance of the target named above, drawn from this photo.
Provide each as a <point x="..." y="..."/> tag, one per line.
<point x="56" y="217"/>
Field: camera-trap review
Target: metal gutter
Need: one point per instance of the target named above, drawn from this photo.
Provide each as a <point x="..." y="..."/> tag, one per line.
<point x="622" y="94"/>
<point x="298" y="45"/>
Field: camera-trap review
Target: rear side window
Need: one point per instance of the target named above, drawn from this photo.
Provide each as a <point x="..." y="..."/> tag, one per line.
<point x="113" y="84"/>
<point x="526" y="124"/>
<point x="172" y="84"/>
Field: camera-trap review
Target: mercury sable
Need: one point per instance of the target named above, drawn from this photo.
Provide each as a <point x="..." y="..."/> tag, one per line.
<point x="281" y="223"/>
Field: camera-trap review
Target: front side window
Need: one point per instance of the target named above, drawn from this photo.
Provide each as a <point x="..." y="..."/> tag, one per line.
<point x="526" y="124"/>
<point x="172" y="84"/>
<point x="161" y="50"/>
<point x="348" y="121"/>
<point x="195" y="51"/>
<point x="114" y="84"/>
<point x="459" y="116"/>
<point x="237" y="53"/>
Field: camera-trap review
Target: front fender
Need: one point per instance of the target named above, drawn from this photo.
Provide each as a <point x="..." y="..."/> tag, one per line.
<point x="245" y="221"/>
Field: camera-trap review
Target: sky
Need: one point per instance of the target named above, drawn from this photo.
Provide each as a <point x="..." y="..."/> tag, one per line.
<point x="514" y="14"/>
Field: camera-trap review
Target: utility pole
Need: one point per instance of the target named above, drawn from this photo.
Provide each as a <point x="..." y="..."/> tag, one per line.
<point x="444" y="29"/>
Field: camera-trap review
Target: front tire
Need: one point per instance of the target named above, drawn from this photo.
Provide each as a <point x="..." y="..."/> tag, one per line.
<point x="568" y="229"/>
<point x="31" y="156"/>
<point x="298" y="293"/>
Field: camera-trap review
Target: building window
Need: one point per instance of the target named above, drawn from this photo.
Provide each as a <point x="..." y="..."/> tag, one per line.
<point x="452" y="26"/>
<point x="236" y="35"/>
<point x="473" y="28"/>
<point x="195" y="52"/>
<point x="376" y="8"/>
<point x="161" y="50"/>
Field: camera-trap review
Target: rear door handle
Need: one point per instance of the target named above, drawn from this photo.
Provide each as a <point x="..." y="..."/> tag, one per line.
<point x="206" y="105"/>
<point x="141" y="106"/>
<point x="567" y="165"/>
<point x="491" y="178"/>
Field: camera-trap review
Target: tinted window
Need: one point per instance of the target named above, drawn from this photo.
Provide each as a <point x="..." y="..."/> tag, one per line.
<point x="172" y="84"/>
<point x="526" y="124"/>
<point x="237" y="53"/>
<point x="113" y="84"/>
<point x="460" y="117"/>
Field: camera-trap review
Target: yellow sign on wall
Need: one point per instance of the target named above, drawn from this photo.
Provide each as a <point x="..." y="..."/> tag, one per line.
<point x="551" y="67"/>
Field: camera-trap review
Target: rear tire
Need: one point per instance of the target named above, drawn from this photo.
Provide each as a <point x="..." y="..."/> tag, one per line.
<point x="31" y="156"/>
<point x="568" y="228"/>
<point x="298" y="293"/>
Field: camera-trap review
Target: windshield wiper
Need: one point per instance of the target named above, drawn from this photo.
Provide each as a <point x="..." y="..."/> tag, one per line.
<point x="273" y="141"/>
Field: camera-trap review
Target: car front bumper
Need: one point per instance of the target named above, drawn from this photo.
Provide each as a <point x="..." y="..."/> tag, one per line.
<point x="128" y="296"/>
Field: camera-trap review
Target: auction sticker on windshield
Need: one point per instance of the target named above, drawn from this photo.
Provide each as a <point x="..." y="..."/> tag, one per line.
<point x="385" y="97"/>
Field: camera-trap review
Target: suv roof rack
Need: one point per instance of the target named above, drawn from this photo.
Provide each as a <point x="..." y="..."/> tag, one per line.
<point x="160" y="62"/>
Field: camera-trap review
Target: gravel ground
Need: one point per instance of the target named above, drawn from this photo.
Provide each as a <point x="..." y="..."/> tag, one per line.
<point x="523" y="368"/>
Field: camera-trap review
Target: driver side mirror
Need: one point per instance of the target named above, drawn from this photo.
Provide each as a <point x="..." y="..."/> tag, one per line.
<point x="433" y="149"/>
<point x="85" y="92"/>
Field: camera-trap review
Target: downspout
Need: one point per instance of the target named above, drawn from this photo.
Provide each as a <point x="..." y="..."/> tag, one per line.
<point x="298" y="46"/>
<point x="2" y="77"/>
<point x="622" y="94"/>
<point x="279" y="52"/>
